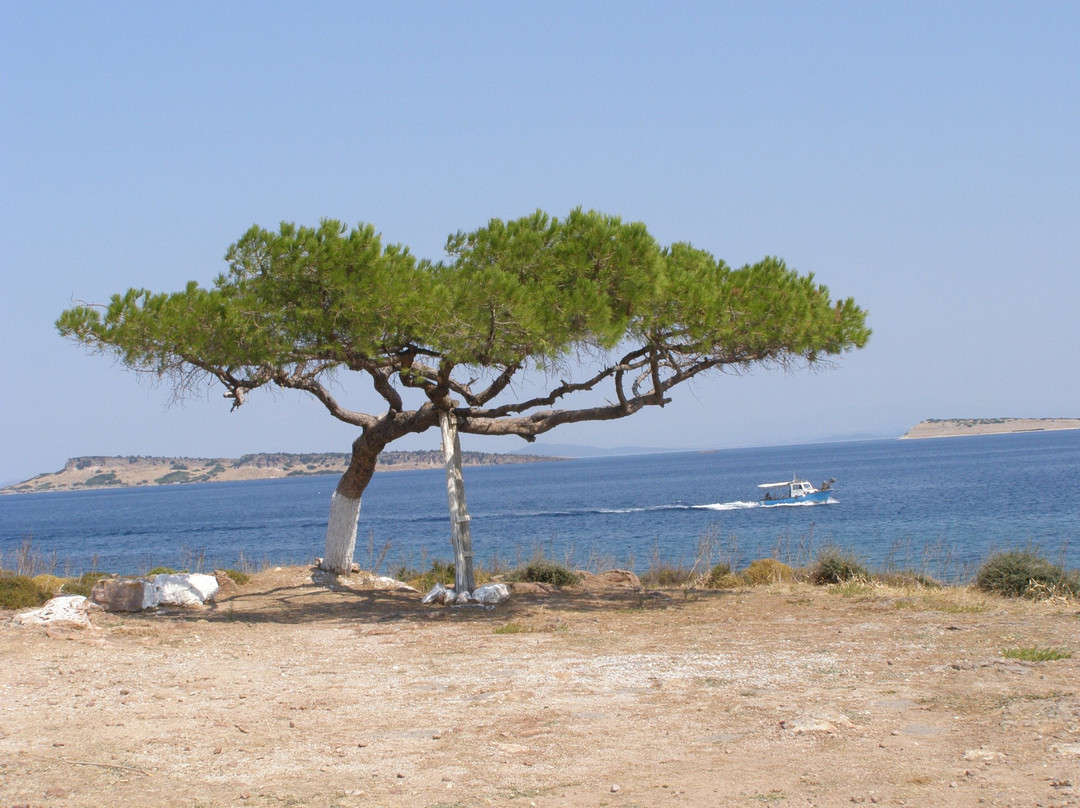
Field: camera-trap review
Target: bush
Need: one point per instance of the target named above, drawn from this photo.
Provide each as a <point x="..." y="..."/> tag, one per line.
<point x="83" y="584"/>
<point x="665" y="576"/>
<point x="719" y="577"/>
<point x="20" y="592"/>
<point x="238" y="577"/>
<point x="49" y="583"/>
<point x="441" y="572"/>
<point x="834" y="566"/>
<point x="161" y="571"/>
<point x="1023" y="573"/>
<point x="767" y="571"/>
<point x="542" y="571"/>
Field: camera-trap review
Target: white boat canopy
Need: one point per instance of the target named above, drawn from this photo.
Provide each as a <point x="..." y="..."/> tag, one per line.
<point x="777" y="485"/>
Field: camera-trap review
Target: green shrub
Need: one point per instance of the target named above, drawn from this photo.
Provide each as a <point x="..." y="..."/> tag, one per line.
<point x="542" y="571"/>
<point x="834" y="566"/>
<point x="20" y="592"/>
<point x="441" y="572"/>
<point x="1023" y="573"/>
<point x="719" y="577"/>
<point x="767" y="571"/>
<point x="240" y="578"/>
<point x="49" y="583"/>
<point x="162" y="571"/>
<point x="83" y="584"/>
<point x="173" y="477"/>
<point x="105" y="478"/>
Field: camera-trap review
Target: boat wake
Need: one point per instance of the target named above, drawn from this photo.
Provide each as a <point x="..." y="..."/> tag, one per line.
<point x="739" y="506"/>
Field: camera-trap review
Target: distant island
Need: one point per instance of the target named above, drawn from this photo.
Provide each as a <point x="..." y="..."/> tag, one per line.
<point x="956" y="427"/>
<point x="122" y="472"/>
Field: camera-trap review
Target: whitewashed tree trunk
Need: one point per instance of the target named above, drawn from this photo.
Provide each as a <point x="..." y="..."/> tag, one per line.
<point x="341" y="534"/>
<point x="461" y="536"/>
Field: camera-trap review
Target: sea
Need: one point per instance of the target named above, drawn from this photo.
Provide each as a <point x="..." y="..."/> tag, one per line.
<point x="938" y="507"/>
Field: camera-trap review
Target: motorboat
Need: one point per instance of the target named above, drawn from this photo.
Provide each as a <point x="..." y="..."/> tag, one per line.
<point x="796" y="492"/>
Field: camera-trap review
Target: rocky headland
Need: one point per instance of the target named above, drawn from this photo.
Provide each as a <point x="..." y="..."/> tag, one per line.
<point x="119" y="472"/>
<point x="956" y="427"/>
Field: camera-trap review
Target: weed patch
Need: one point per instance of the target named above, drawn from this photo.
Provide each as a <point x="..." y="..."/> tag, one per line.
<point x="513" y="628"/>
<point x="1036" y="654"/>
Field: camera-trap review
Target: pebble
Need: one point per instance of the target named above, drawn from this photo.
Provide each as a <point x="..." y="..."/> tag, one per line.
<point x="615" y="788"/>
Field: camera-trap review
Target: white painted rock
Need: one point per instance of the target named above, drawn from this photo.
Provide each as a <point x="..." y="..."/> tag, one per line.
<point x="74" y="609"/>
<point x="439" y="594"/>
<point x="491" y="594"/>
<point x="186" y="589"/>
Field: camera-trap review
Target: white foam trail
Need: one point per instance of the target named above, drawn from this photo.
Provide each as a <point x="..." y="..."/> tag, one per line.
<point x="729" y="506"/>
<point x="647" y="509"/>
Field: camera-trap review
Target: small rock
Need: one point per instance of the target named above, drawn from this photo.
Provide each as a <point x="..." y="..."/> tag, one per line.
<point x="610" y="579"/>
<point x="807" y="723"/>
<point x="615" y="788"/>
<point x="226" y="585"/>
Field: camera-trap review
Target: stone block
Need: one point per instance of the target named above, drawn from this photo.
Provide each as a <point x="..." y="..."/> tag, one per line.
<point x="120" y="594"/>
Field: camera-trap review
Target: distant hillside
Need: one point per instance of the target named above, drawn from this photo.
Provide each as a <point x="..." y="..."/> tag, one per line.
<point x="955" y="427"/>
<point x="122" y="472"/>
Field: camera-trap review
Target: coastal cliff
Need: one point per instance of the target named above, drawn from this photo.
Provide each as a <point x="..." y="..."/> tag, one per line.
<point x="956" y="427"/>
<point x="121" y="472"/>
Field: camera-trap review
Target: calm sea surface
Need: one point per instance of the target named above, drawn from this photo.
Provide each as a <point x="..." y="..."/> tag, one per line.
<point x="938" y="506"/>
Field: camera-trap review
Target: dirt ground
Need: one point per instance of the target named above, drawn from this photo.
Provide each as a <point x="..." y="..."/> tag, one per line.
<point x="292" y="692"/>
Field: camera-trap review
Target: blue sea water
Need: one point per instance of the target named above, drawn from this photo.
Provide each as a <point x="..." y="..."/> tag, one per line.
<point x="938" y="506"/>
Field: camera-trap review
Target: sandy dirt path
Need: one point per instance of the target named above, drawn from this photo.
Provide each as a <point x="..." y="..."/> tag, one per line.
<point x="288" y="692"/>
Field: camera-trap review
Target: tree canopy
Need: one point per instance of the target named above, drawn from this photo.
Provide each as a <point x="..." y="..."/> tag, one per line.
<point x="593" y="302"/>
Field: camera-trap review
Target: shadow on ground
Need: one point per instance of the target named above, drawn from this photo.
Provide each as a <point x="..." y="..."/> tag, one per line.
<point x="314" y="599"/>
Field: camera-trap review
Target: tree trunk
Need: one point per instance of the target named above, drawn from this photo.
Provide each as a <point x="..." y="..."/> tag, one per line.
<point x="345" y="504"/>
<point x="461" y="536"/>
<point x="341" y="533"/>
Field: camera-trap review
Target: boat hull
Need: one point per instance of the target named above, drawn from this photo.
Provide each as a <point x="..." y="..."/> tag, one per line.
<point x="816" y="497"/>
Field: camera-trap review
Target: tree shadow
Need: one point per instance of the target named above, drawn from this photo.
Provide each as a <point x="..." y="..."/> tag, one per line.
<point x="320" y="600"/>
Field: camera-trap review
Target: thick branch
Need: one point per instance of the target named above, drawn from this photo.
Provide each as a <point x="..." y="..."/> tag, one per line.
<point x="359" y="419"/>
<point x="537" y="423"/>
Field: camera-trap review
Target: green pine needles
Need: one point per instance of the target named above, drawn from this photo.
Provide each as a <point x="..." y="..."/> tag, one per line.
<point x="606" y="317"/>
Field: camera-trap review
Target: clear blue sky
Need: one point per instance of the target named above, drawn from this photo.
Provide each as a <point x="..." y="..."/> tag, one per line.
<point x="922" y="157"/>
